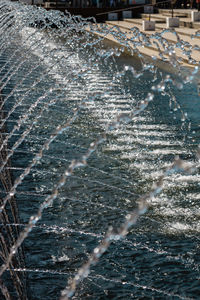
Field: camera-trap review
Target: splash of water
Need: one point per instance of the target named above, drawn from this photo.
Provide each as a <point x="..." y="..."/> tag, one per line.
<point x="66" y="59"/>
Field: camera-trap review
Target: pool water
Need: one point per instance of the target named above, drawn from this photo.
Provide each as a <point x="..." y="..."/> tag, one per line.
<point x="159" y="258"/>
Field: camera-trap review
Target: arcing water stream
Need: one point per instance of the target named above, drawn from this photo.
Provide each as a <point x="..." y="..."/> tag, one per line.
<point x="92" y="135"/>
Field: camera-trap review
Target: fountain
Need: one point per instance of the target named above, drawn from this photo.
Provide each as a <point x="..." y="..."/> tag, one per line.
<point x="96" y="138"/>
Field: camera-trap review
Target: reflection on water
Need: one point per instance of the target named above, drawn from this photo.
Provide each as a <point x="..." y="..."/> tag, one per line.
<point x="159" y="258"/>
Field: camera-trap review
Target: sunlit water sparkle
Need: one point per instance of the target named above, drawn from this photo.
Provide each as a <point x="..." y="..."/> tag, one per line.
<point x="159" y="258"/>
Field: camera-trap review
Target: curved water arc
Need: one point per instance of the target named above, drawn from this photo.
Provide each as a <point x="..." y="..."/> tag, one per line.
<point x="96" y="113"/>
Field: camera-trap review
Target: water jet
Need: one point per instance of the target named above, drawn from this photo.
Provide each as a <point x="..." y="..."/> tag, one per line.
<point x="89" y="142"/>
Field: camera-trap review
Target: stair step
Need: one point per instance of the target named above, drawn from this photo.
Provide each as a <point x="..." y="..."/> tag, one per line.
<point x="175" y="15"/>
<point x="185" y="31"/>
<point x="186" y="22"/>
<point x="133" y="21"/>
<point x="163" y="16"/>
<point x="154" y="50"/>
<point x="157" y="16"/>
<point x="177" y="12"/>
<point x="151" y="50"/>
<point x="130" y="23"/>
<point x="153" y="17"/>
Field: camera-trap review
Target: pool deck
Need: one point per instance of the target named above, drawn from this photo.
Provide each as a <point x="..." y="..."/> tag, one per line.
<point x="185" y="31"/>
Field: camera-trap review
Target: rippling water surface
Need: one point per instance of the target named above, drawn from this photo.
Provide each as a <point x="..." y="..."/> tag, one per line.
<point x="159" y="258"/>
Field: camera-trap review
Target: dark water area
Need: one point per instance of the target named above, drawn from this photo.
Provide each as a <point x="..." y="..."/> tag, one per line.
<point x="160" y="257"/>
